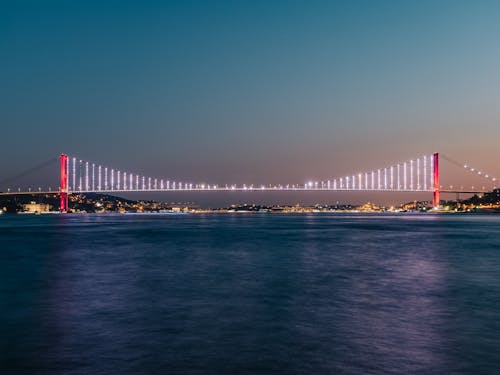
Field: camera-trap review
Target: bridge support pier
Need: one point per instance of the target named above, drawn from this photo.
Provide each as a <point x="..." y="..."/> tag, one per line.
<point x="436" y="198"/>
<point x="63" y="186"/>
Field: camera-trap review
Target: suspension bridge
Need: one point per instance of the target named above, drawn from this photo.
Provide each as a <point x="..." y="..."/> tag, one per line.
<point x="422" y="174"/>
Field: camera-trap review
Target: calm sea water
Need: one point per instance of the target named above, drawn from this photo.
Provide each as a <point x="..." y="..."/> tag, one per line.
<point x="250" y="294"/>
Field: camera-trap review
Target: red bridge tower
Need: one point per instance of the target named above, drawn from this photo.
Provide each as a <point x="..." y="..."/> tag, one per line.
<point x="63" y="186"/>
<point x="435" y="200"/>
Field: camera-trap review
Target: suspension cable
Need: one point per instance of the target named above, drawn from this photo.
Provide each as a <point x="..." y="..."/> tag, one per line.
<point x="28" y="171"/>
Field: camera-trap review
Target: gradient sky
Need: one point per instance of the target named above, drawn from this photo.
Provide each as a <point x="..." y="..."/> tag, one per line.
<point x="249" y="91"/>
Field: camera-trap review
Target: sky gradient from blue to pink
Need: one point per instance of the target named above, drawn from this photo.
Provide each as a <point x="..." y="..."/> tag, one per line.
<point x="250" y="91"/>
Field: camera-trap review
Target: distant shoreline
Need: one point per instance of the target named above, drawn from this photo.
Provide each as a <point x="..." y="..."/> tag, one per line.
<point x="103" y="203"/>
<point x="224" y="212"/>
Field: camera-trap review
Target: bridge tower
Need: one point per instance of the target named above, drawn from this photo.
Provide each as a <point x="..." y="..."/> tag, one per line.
<point x="436" y="199"/>
<point x="63" y="186"/>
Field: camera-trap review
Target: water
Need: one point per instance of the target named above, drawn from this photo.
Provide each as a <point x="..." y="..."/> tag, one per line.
<point x="250" y="294"/>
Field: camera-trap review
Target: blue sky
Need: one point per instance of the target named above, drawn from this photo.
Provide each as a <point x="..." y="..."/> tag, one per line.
<point x="258" y="91"/>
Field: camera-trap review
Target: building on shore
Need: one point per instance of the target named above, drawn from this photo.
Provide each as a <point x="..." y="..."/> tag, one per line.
<point x="36" y="208"/>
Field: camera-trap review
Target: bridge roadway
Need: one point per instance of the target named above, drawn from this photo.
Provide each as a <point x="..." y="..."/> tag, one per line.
<point x="247" y="189"/>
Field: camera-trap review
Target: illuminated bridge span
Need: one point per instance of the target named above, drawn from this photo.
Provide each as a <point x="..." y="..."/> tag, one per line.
<point x="416" y="175"/>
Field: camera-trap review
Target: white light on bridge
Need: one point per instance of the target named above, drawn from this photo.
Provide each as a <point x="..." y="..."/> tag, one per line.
<point x="392" y="177"/>
<point x="74" y="173"/>
<point x="99" y="177"/>
<point x="404" y="177"/>
<point x="87" y="175"/>
<point x="418" y="174"/>
<point x="425" y="172"/>
<point x="80" y="172"/>
<point x="399" y="177"/>
<point x="411" y="174"/>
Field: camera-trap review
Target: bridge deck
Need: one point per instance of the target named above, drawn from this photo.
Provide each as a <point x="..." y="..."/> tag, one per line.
<point x="242" y="189"/>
